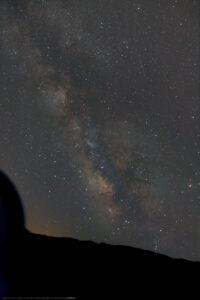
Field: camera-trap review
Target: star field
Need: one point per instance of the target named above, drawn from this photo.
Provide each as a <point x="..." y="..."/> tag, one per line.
<point x="99" y="117"/>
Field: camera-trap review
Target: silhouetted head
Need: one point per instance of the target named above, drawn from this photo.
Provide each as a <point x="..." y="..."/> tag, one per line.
<point x="11" y="212"/>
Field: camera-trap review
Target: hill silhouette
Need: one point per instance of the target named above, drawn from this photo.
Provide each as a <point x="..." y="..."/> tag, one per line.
<point x="37" y="265"/>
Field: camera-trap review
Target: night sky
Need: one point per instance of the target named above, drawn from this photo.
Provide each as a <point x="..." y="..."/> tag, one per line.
<point x="99" y="119"/>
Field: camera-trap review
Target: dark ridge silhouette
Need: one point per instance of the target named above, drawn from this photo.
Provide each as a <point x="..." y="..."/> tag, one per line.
<point x="37" y="265"/>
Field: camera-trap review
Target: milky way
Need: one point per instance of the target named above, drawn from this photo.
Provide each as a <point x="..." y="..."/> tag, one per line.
<point x="99" y="119"/>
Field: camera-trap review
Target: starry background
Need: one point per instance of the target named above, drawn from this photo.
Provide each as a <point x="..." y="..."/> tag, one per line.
<point x="99" y="119"/>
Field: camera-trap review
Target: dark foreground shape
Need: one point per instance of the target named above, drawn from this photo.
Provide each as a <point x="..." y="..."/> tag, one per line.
<point x="41" y="266"/>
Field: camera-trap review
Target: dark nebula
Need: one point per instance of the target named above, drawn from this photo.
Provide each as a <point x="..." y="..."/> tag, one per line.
<point x="99" y="118"/>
